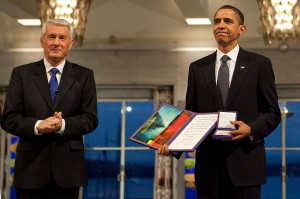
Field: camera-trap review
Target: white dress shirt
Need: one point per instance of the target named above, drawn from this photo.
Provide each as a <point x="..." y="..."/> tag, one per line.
<point x="231" y="62"/>
<point x="60" y="68"/>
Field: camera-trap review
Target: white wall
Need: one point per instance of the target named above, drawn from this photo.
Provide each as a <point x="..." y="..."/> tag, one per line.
<point x="149" y="67"/>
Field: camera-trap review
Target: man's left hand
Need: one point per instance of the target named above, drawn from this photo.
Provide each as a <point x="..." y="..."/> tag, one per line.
<point x="243" y="130"/>
<point x="51" y="124"/>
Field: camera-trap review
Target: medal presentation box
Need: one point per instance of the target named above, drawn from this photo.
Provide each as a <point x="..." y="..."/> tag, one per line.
<point x="224" y="126"/>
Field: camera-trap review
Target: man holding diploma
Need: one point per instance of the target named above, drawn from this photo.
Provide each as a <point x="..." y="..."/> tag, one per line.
<point x="232" y="79"/>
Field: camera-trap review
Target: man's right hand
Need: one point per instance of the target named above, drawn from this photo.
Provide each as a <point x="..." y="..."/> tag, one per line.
<point x="51" y="124"/>
<point x="163" y="150"/>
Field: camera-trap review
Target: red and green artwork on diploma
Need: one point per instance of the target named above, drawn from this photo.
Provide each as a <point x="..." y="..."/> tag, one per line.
<point x="160" y="127"/>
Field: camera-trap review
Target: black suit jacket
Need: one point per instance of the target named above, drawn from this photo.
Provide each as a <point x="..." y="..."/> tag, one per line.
<point x="41" y="158"/>
<point x="253" y="95"/>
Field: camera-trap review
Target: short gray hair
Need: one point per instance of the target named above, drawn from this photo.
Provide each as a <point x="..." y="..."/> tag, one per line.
<point x="59" y="22"/>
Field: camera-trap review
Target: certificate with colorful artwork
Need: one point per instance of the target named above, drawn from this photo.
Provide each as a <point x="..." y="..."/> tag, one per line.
<point x="180" y="129"/>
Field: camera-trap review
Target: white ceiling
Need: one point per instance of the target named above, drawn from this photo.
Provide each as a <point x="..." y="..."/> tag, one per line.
<point x="132" y="24"/>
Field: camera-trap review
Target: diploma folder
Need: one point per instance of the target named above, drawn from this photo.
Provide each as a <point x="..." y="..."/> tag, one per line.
<point x="180" y="129"/>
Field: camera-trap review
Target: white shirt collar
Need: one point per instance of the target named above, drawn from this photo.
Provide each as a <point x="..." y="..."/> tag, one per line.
<point x="48" y="66"/>
<point x="232" y="54"/>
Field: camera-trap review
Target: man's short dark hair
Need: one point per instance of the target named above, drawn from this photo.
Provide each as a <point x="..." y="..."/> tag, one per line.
<point x="238" y="13"/>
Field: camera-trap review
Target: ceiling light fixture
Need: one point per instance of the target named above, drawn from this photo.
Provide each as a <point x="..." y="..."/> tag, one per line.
<point x="193" y="49"/>
<point x="198" y="21"/>
<point x="280" y="21"/>
<point x="29" y="22"/>
<point x="74" y="11"/>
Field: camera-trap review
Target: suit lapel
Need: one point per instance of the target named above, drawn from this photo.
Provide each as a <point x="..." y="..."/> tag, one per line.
<point x="40" y="80"/>
<point x="66" y="81"/>
<point x="210" y="78"/>
<point x="240" y="71"/>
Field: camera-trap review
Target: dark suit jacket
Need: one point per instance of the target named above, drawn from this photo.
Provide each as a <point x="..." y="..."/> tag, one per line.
<point x="253" y="95"/>
<point x="41" y="158"/>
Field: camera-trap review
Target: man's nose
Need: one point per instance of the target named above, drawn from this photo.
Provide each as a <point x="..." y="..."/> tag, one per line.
<point x="56" y="41"/>
<point x="221" y="24"/>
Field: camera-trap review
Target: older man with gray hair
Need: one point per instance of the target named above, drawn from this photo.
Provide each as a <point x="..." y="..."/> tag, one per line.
<point x="50" y="104"/>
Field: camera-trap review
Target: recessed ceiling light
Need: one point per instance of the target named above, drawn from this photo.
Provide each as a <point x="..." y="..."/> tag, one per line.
<point x="198" y="21"/>
<point x="29" y="22"/>
<point x="193" y="49"/>
<point x="25" y="50"/>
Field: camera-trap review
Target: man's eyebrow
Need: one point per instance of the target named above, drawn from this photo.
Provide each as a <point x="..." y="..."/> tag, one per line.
<point x="225" y="19"/>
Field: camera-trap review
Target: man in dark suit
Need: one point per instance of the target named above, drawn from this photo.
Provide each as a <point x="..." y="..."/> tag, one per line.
<point x="233" y="169"/>
<point x="50" y="154"/>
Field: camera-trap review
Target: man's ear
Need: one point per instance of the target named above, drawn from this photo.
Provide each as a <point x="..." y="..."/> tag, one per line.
<point x="242" y="29"/>
<point x="72" y="41"/>
<point x="41" y="41"/>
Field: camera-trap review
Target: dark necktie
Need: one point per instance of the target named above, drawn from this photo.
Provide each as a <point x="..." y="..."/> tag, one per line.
<point x="223" y="78"/>
<point x="53" y="83"/>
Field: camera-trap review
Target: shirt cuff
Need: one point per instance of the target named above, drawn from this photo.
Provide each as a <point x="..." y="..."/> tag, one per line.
<point x="63" y="126"/>
<point x="36" y="132"/>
